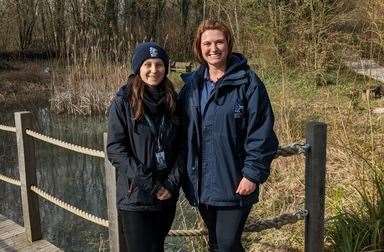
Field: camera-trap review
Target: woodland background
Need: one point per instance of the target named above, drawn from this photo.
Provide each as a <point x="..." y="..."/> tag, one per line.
<point x="76" y="53"/>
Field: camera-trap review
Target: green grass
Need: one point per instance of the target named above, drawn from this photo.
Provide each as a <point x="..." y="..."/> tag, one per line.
<point x="362" y="228"/>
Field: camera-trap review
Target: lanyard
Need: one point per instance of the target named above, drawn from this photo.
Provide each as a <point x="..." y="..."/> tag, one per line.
<point x="158" y="135"/>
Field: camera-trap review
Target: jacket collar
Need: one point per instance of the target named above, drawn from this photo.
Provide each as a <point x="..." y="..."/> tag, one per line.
<point x="236" y="73"/>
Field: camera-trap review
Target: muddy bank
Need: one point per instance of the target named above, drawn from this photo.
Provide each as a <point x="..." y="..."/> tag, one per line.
<point x="24" y="82"/>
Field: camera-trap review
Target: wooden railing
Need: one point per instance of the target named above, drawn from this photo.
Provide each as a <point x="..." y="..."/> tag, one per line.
<point x="314" y="150"/>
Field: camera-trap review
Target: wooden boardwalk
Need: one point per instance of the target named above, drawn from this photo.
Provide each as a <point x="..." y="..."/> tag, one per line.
<point x="368" y="68"/>
<point x="13" y="238"/>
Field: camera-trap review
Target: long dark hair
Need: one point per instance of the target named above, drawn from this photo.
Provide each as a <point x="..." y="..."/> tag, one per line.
<point x="136" y="96"/>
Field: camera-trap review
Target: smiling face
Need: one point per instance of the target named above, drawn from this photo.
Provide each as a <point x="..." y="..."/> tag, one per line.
<point x="214" y="48"/>
<point x="152" y="71"/>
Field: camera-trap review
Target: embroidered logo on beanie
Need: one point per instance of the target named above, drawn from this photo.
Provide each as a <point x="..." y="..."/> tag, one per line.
<point x="153" y="52"/>
<point x="145" y="51"/>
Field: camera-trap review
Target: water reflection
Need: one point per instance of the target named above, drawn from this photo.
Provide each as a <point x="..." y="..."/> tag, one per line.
<point x="75" y="178"/>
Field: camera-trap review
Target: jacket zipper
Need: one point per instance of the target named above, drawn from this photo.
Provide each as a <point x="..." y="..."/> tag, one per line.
<point x="130" y="189"/>
<point x="197" y="164"/>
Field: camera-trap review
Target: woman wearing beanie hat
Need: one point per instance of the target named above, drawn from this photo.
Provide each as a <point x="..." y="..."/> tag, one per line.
<point x="142" y="145"/>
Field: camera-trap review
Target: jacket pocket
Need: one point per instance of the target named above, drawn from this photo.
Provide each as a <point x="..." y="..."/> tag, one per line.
<point x="250" y="199"/>
<point x="139" y="193"/>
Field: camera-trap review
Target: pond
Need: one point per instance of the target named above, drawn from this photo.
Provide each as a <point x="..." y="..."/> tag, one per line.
<point x="72" y="177"/>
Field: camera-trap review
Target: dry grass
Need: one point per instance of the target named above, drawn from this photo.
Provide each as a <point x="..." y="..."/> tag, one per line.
<point x="25" y="83"/>
<point x="87" y="88"/>
<point x="355" y="145"/>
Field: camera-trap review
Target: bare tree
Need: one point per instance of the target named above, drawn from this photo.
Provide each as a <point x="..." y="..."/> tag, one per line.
<point x="184" y="10"/>
<point x="26" y="16"/>
<point x="60" y="37"/>
<point x="111" y="17"/>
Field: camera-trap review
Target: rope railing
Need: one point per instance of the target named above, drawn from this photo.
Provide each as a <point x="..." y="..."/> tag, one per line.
<point x="70" y="208"/>
<point x="313" y="147"/>
<point x="296" y="148"/>
<point x="69" y="146"/>
<point x="10" y="180"/>
<point x="276" y="222"/>
<point x="260" y="225"/>
<point x="7" y="128"/>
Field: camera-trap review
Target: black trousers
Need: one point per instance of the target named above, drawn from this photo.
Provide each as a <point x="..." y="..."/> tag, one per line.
<point x="225" y="226"/>
<point x="145" y="231"/>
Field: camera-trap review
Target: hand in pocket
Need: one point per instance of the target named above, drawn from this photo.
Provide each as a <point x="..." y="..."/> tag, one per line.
<point x="163" y="194"/>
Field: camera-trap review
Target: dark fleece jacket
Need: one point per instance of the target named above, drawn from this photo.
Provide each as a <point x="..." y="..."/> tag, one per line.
<point x="131" y="148"/>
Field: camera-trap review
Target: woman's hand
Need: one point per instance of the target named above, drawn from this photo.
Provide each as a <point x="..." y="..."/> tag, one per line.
<point x="246" y="187"/>
<point x="163" y="194"/>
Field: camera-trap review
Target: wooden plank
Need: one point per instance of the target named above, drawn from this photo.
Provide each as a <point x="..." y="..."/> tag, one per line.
<point x="50" y="248"/>
<point x="10" y="231"/>
<point x="115" y="241"/>
<point x="15" y="242"/>
<point x="6" y="223"/>
<point x="27" y="171"/>
<point x="41" y="245"/>
<point x="368" y="68"/>
<point x="10" y="228"/>
<point x="315" y="168"/>
<point x="2" y="218"/>
<point x="14" y="238"/>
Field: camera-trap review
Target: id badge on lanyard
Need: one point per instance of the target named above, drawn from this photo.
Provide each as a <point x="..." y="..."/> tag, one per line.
<point x="159" y="153"/>
<point x="160" y="160"/>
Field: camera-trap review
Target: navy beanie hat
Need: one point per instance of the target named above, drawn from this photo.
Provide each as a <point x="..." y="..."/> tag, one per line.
<point x="146" y="51"/>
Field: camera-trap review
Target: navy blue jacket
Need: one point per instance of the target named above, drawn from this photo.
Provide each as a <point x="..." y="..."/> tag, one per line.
<point x="131" y="149"/>
<point x="233" y="138"/>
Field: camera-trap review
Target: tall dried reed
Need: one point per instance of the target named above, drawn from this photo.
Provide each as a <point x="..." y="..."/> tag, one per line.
<point x="87" y="81"/>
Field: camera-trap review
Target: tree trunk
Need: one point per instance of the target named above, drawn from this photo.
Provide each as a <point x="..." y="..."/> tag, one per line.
<point x="60" y="37"/>
<point x="111" y="17"/>
<point x="184" y="10"/>
<point x="26" y="17"/>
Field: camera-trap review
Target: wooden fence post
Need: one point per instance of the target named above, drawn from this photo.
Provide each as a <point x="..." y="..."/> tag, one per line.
<point x="315" y="161"/>
<point x="27" y="171"/>
<point x="115" y="238"/>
